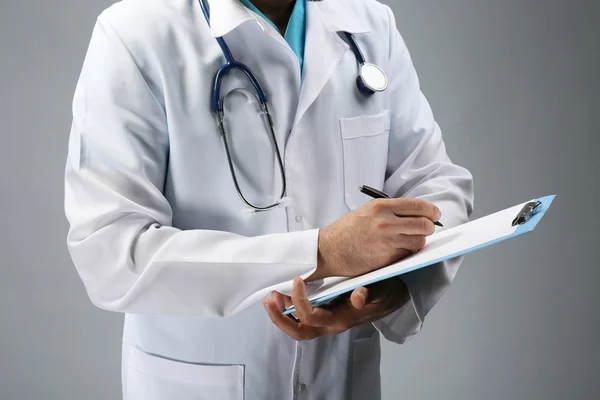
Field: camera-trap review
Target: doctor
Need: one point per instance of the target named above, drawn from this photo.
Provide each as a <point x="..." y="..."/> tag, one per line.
<point x="193" y="196"/>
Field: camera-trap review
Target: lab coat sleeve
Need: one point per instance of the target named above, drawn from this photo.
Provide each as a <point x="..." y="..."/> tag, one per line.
<point x="120" y="239"/>
<point x="419" y="167"/>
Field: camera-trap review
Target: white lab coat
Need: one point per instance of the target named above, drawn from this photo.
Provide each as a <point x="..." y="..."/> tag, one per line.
<point x="158" y="232"/>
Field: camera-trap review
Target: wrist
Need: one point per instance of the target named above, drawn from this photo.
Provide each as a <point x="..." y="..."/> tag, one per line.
<point x="324" y="265"/>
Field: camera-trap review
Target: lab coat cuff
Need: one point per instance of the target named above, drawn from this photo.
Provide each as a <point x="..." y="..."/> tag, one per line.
<point x="402" y="324"/>
<point x="309" y="243"/>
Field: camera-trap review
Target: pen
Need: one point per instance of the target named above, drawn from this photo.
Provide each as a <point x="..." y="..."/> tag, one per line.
<point x="378" y="194"/>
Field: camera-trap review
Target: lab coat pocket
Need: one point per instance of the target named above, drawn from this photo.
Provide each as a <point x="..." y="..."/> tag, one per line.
<point x="366" y="357"/>
<point x="149" y="377"/>
<point x="365" y="147"/>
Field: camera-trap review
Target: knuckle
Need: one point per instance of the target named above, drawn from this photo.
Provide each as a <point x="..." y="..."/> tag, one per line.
<point x="308" y="320"/>
<point x="431" y="229"/>
<point x="382" y="225"/>
<point x="432" y="211"/>
<point x="421" y="224"/>
<point x="420" y="241"/>
<point x="413" y="242"/>
<point x="427" y="226"/>
<point x="417" y="205"/>
<point x="377" y="205"/>
<point x="384" y="246"/>
<point x="302" y="317"/>
<point x="394" y="241"/>
<point x="370" y="205"/>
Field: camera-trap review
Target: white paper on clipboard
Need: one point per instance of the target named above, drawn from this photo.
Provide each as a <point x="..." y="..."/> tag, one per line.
<point x="444" y="245"/>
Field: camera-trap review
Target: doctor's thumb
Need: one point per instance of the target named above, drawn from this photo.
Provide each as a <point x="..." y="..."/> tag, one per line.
<point x="359" y="298"/>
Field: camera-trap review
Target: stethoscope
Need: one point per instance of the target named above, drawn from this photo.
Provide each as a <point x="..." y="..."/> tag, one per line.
<point x="371" y="79"/>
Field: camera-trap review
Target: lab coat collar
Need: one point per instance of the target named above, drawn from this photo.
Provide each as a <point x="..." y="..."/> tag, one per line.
<point x="226" y="15"/>
<point x="324" y="47"/>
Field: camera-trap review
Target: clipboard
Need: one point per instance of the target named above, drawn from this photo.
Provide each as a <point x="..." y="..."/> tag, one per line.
<point x="447" y="244"/>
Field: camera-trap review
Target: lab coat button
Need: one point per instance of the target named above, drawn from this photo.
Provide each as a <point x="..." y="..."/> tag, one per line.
<point x="298" y="219"/>
<point x="302" y="387"/>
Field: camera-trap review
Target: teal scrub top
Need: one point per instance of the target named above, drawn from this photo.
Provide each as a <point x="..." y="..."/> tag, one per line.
<point x="295" y="33"/>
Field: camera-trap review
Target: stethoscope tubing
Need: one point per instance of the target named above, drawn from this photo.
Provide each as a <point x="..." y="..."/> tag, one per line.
<point x="217" y="105"/>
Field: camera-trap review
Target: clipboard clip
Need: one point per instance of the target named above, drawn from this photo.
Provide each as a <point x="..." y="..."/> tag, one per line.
<point x="527" y="211"/>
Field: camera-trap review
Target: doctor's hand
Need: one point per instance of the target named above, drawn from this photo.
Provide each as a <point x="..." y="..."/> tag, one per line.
<point x="364" y="305"/>
<point x="377" y="234"/>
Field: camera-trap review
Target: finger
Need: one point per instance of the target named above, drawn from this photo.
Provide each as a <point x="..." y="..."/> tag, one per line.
<point x="372" y="310"/>
<point x="283" y="322"/>
<point x="283" y="302"/>
<point x="413" y="226"/>
<point x="299" y="299"/>
<point x="295" y="330"/>
<point x="347" y="316"/>
<point x="411" y="207"/>
<point x="383" y="298"/>
<point x="338" y="319"/>
<point x="359" y="298"/>
<point x="341" y="299"/>
<point x="371" y="313"/>
<point x="410" y="242"/>
<point x="279" y="300"/>
<point x="287" y="301"/>
<point x="308" y="315"/>
<point x="379" y="292"/>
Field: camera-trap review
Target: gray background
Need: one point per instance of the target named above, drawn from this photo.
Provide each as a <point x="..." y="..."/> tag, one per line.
<point x="514" y="85"/>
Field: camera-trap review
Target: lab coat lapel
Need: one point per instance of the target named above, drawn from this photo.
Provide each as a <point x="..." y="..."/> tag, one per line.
<point x="324" y="47"/>
<point x="226" y="15"/>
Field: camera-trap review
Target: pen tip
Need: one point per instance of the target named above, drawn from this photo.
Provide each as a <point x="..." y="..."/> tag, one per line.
<point x="438" y="223"/>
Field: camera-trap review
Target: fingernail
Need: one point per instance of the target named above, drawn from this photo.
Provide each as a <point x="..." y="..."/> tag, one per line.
<point x="438" y="215"/>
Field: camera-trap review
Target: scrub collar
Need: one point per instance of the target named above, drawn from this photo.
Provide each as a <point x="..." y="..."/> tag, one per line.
<point x="295" y="34"/>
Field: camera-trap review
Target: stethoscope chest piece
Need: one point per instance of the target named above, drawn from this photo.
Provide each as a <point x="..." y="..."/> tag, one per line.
<point x="371" y="79"/>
